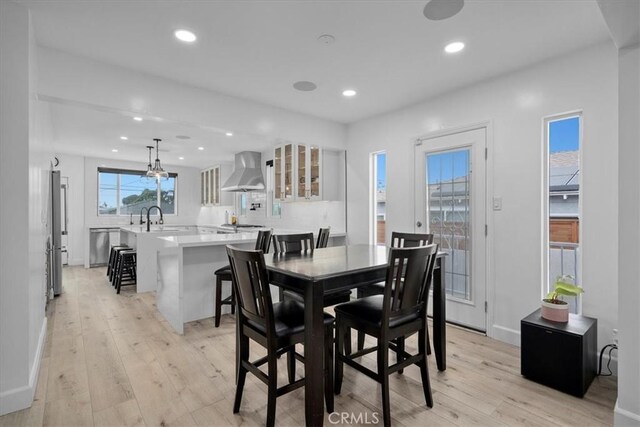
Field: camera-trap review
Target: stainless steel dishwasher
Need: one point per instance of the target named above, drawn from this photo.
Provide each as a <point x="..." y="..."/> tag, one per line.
<point x="99" y="246"/>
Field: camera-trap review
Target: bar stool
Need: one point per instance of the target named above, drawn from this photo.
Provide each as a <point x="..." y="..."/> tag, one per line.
<point x="126" y="269"/>
<point x="113" y="255"/>
<point x="224" y="274"/>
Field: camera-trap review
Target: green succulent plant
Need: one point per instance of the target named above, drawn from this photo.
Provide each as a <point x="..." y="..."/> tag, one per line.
<point x="563" y="286"/>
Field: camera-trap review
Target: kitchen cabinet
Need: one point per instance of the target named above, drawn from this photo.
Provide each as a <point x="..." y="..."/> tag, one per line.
<point x="304" y="172"/>
<point x="283" y="160"/>
<point x="211" y="181"/>
<point x="308" y="177"/>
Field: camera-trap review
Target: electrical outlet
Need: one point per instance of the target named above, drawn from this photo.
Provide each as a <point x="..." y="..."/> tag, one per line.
<point x="615" y="336"/>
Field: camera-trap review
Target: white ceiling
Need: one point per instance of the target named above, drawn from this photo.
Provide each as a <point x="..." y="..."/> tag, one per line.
<point x="386" y="50"/>
<point x="86" y="132"/>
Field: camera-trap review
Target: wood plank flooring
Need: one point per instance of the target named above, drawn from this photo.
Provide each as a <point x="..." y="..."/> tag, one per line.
<point x="111" y="360"/>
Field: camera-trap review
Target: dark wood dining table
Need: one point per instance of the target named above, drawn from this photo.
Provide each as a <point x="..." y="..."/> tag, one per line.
<point x="334" y="269"/>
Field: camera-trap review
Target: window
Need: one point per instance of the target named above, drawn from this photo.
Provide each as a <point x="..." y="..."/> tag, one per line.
<point x="379" y="199"/>
<point x="563" y="145"/>
<point x="123" y="192"/>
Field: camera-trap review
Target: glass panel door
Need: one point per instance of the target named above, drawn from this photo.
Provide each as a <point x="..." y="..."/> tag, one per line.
<point x="451" y="204"/>
<point x="314" y="178"/>
<point x="449" y="217"/>
<point x="277" y="164"/>
<point x="288" y="171"/>
<point x="302" y="172"/>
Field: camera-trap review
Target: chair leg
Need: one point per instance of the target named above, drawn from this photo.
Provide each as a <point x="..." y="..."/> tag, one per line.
<point x="218" y="300"/>
<point x="339" y="350"/>
<point x="383" y="372"/>
<point x="360" y="340"/>
<point x="400" y="352"/>
<point x="347" y="342"/>
<point x="291" y="364"/>
<point x="328" y="368"/>
<point x="243" y="343"/>
<point x="423" y="344"/>
<point x="426" y="329"/>
<point x="233" y="300"/>
<point x="273" y="388"/>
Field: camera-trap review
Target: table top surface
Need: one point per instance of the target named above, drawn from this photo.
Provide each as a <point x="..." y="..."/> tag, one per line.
<point x="578" y="325"/>
<point x="329" y="262"/>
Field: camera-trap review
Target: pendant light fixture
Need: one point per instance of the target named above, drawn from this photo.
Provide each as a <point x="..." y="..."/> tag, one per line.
<point x="156" y="171"/>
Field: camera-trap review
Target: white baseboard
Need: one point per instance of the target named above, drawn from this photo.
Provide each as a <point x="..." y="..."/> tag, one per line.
<point x="624" y="418"/>
<point x="22" y="397"/>
<point x="510" y="336"/>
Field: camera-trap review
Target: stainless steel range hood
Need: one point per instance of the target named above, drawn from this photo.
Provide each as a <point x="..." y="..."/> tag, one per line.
<point x="247" y="174"/>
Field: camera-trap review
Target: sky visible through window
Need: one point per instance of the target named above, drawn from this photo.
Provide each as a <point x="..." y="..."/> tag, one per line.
<point x="564" y="135"/>
<point x="445" y="166"/>
<point x="381" y="168"/>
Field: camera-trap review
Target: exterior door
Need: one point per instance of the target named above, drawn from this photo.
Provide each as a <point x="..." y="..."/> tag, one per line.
<point x="451" y="204"/>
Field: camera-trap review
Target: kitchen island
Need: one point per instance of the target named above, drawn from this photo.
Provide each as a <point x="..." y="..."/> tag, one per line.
<point x="185" y="286"/>
<point x="146" y="244"/>
<point x="185" y="274"/>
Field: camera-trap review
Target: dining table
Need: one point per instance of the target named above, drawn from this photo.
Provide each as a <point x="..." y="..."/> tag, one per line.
<point x="314" y="274"/>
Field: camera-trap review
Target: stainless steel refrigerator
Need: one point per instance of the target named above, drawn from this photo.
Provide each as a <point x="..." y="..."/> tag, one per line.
<point x="58" y="228"/>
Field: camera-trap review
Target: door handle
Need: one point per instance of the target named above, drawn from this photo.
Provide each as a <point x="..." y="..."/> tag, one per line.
<point x="418" y="224"/>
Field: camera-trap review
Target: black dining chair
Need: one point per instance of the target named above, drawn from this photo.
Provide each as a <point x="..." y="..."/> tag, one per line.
<point x="323" y="237"/>
<point x="398" y="240"/>
<point x="400" y="311"/>
<point x="291" y="243"/>
<point x="277" y="327"/>
<point x="223" y="274"/>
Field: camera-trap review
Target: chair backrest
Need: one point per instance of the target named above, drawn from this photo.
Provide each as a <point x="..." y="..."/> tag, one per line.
<point x="251" y="282"/>
<point x="408" y="279"/>
<point x="410" y="240"/>
<point x="290" y="243"/>
<point x="263" y="242"/>
<point x="323" y="237"/>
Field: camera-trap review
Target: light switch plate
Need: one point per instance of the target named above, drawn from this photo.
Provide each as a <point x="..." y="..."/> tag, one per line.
<point x="497" y="203"/>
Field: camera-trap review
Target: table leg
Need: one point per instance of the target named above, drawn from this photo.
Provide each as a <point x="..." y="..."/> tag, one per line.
<point x="314" y="355"/>
<point x="439" y="317"/>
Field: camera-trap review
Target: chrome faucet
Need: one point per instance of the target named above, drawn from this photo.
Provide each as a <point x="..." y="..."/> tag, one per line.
<point x="142" y="220"/>
<point x="149" y="219"/>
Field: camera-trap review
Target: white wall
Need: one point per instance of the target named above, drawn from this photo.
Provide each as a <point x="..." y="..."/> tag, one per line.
<point x="628" y="405"/>
<point x="23" y="177"/>
<point x="516" y="104"/>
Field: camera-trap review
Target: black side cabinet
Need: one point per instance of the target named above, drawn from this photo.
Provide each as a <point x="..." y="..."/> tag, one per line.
<point x="560" y="355"/>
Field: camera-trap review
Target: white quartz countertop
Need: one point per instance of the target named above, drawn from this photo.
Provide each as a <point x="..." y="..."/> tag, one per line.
<point x="165" y="228"/>
<point x="225" y="239"/>
<point x="209" y="239"/>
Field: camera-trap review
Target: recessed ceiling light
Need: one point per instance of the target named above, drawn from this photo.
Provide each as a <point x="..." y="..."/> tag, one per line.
<point x="115" y="150"/>
<point x="200" y="148"/>
<point x="124" y="138"/>
<point x="304" y="86"/>
<point x="185" y="36"/>
<point x="349" y="92"/>
<point x="180" y="158"/>
<point x="229" y="133"/>
<point x="454" y="47"/>
<point x="137" y="119"/>
<point x="437" y="10"/>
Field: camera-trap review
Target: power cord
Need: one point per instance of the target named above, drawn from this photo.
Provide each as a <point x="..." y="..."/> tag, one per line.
<point x="611" y="347"/>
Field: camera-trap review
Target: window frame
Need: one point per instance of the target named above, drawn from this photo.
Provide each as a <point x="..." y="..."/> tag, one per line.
<point x="121" y="171"/>
<point x="546" y="238"/>
<point x="373" y="200"/>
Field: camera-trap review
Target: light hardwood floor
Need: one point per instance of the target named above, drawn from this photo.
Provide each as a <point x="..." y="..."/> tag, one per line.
<point x="112" y="360"/>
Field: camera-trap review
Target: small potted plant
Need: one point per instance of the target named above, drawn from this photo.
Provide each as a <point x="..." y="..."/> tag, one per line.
<point x="554" y="308"/>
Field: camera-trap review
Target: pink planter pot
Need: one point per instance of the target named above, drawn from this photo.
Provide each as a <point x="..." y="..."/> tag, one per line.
<point x="555" y="312"/>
